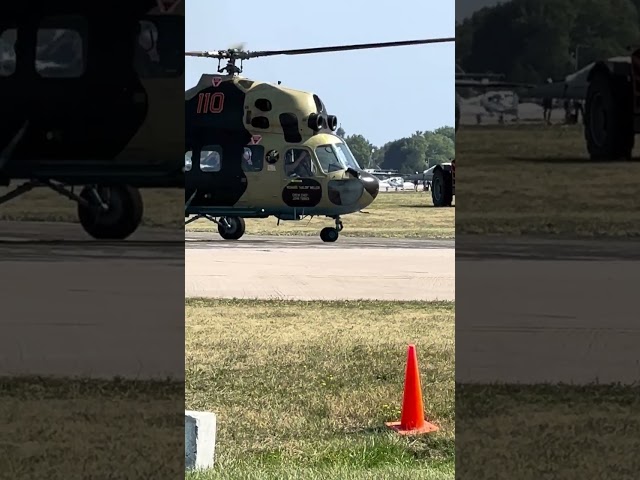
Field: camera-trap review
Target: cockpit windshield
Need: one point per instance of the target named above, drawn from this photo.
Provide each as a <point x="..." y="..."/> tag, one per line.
<point x="336" y="157"/>
<point x="345" y="155"/>
<point x="329" y="159"/>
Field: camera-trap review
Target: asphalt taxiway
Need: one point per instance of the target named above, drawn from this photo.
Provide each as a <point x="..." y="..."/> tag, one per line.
<point x="74" y="306"/>
<point x="547" y="311"/>
<point x="305" y="268"/>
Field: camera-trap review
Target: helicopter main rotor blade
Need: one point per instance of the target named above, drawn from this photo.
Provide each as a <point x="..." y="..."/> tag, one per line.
<point x="489" y="84"/>
<point x="342" y="48"/>
<point x="212" y="54"/>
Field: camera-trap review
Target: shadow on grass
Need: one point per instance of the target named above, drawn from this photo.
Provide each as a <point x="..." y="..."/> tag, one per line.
<point x="423" y="206"/>
<point x="573" y="161"/>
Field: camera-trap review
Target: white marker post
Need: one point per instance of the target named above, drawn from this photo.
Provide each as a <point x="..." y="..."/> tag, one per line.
<point x="199" y="439"/>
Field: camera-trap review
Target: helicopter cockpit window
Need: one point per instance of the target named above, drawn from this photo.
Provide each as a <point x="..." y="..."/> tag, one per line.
<point x="345" y="156"/>
<point x="187" y="161"/>
<point x="298" y="163"/>
<point x="329" y="161"/>
<point x="59" y="53"/>
<point x="253" y="158"/>
<point x="8" y="52"/>
<point x="156" y="51"/>
<point x="210" y="159"/>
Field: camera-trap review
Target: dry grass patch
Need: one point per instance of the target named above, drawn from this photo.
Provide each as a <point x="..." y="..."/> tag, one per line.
<point x="302" y="389"/>
<point x="392" y="215"/>
<point x="531" y="179"/>
<point x="534" y="432"/>
<point x="162" y="207"/>
<point x="77" y="429"/>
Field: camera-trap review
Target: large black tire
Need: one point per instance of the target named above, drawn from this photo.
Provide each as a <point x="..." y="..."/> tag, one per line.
<point x="442" y="188"/>
<point x="236" y="231"/>
<point x="608" y="115"/>
<point x="329" y="235"/>
<point x="124" y="214"/>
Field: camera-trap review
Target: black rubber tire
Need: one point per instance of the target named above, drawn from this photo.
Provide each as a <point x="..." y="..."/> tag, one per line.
<point x="441" y="188"/>
<point x="121" y="219"/>
<point x="608" y="117"/>
<point x="329" y="234"/>
<point x="236" y="231"/>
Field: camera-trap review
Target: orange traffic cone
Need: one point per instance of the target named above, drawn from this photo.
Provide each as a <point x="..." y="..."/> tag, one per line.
<point x="412" y="421"/>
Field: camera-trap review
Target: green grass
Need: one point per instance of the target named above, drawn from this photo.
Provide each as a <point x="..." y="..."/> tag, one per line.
<point x="521" y="180"/>
<point x="302" y="390"/>
<point x="73" y="429"/>
<point x="162" y="208"/>
<point x="392" y="215"/>
<point x="534" y="432"/>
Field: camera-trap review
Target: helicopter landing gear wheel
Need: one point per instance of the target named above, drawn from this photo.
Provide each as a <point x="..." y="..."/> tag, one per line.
<point x="231" y="228"/>
<point x="329" y="234"/>
<point x="110" y="213"/>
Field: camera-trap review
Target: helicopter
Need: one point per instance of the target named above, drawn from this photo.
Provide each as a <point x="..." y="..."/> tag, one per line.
<point x="256" y="149"/>
<point x="89" y="99"/>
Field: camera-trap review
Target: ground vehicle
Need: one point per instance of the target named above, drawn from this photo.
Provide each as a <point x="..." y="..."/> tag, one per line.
<point x="611" y="91"/>
<point x="612" y="107"/>
<point x="441" y="181"/>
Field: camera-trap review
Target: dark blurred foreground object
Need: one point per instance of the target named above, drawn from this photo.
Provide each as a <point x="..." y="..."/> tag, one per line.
<point x="610" y="89"/>
<point x="86" y="95"/>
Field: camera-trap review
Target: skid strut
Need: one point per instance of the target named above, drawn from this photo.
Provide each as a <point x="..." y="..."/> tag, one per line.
<point x="65" y="192"/>
<point x="221" y="223"/>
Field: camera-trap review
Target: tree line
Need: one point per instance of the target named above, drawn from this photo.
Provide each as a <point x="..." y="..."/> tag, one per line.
<point x="532" y="40"/>
<point x="407" y="155"/>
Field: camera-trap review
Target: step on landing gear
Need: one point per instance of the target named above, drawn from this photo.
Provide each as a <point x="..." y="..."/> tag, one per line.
<point x="331" y="234"/>
<point x="105" y="212"/>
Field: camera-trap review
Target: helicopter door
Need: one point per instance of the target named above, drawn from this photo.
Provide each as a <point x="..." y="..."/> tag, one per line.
<point x="159" y="62"/>
<point x="216" y="175"/>
<point x="252" y="166"/>
<point x="10" y="91"/>
<point x="60" y="85"/>
<point x="301" y="188"/>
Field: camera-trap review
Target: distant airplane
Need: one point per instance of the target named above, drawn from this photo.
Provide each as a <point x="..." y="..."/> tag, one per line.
<point x="504" y="101"/>
<point x="574" y="86"/>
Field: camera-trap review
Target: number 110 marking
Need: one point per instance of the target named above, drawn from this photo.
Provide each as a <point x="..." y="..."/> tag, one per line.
<point x="210" y="102"/>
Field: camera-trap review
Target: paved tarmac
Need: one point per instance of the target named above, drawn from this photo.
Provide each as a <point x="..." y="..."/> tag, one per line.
<point x="75" y="306"/>
<point x="547" y="311"/>
<point x="305" y="268"/>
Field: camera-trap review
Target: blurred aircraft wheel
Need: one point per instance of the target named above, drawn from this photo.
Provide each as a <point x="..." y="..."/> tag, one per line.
<point x="234" y="231"/>
<point x="122" y="216"/>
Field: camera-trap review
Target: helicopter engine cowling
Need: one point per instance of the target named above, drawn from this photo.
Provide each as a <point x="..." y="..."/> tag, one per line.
<point x="332" y="122"/>
<point x="316" y="122"/>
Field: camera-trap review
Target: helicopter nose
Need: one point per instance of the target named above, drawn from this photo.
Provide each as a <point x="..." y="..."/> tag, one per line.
<point x="371" y="184"/>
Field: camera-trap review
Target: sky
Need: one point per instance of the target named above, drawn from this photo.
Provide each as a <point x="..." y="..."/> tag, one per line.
<point x="412" y="87"/>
